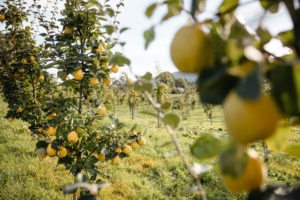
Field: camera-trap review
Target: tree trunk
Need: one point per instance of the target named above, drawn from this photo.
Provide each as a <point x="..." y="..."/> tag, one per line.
<point x="266" y="152"/>
<point x="114" y="108"/>
<point x="80" y="97"/>
<point x="132" y="112"/>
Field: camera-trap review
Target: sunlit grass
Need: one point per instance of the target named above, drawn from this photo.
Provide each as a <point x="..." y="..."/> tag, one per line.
<point x="153" y="171"/>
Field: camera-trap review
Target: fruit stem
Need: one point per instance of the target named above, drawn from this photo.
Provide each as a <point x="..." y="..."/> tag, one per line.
<point x="178" y="148"/>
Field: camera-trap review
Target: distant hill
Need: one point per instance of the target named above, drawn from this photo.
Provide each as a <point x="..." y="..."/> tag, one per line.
<point x="191" y="78"/>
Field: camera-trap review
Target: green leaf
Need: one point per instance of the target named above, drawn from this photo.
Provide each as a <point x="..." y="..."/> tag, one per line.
<point x="120" y="125"/>
<point x="206" y="146"/>
<point x="110" y="12"/>
<point x="61" y="74"/>
<point x="234" y="51"/>
<point x="286" y="37"/>
<point x="293" y="150"/>
<point x="278" y="140"/>
<point x="149" y="36"/>
<point x="233" y="160"/>
<point x="174" y="6"/>
<point x="150" y="10"/>
<point x="172" y="120"/>
<point x="92" y="3"/>
<point x="146" y="112"/>
<point x="124" y="29"/>
<point x="285" y="81"/>
<point x="147" y="76"/>
<point x="296" y="76"/>
<point x="240" y="35"/>
<point x="271" y="6"/>
<point x="118" y="59"/>
<point x="228" y="5"/>
<point x="168" y="16"/>
<point x="43" y="34"/>
<point x="109" y="29"/>
<point x="166" y="106"/>
<point x="214" y="85"/>
<point x="264" y="35"/>
<point x="249" y="87"/>
<point x="41" y="144"/>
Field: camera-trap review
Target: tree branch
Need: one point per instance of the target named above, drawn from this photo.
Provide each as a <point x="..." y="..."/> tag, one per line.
<point x="296" y="21"/>
<point x="178" y="148"/>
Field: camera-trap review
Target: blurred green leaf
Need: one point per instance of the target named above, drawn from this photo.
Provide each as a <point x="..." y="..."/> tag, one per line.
<point x="284" y="81"/>
<point x="206" y="146"/>
<point x="61" y="74"/>
<point x="271" y="6"/>
<point x="240" y="34"/>
<point x="166" y="106"/>
<point x="264" y="35"/>
<point x="214" y="85"/>
<point x="233" y="160"/>
<point x="249" y="87"/>
<point x="167" y="16"/>
<point x="110" y="12"/>
<point x="296" y="76"/>
<point x="149" y="36"/>
<point x="286" y="37"/>
<point x="174" y="6"/>
<point x="118" y="59"/>
<point x="278" y="140"/>
<point x="124" y="29"/>
<point x="150" y="10"/>
<point x="109" y="29"/>
<point x="41" y="144"/>
<point x="293" y="150"/>
<point x="172" y="120"/>
<point x="228" y="5"/>
<point x="92" y="3"/>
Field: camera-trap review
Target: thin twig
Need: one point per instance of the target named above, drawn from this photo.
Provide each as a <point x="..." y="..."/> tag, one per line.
<point x="178" y="148"/>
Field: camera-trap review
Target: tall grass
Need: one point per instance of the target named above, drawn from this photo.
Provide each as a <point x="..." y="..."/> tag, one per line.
<point x="151" y="172"/>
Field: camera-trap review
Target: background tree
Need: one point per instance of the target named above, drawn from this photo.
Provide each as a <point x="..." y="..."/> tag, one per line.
<point x="161" y="94"/>
<point x="166" y="78"/>
<point x="133" y="100"/>
<point x="181" y="83"/>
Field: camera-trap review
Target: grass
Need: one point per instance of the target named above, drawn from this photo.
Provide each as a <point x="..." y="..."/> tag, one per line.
<point x="151" y="172"/>
<point x="22" y="174"/>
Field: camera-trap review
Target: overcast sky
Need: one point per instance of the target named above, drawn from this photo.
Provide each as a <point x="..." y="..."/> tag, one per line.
<point x="133" y="16"/>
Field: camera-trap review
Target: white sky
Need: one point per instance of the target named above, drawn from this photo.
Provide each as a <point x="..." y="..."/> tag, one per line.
<point x="133" y="16"/>
<point x="142" y="61"/>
